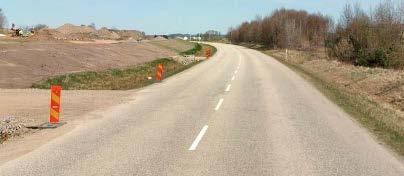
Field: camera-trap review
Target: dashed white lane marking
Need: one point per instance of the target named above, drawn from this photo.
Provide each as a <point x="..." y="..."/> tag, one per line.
<point x="233" y="78"/>
<point x="219" y="104"/>
<point x="198" y="138"/>
<point x="236" y="72"/>
<point x="228" y="88"/>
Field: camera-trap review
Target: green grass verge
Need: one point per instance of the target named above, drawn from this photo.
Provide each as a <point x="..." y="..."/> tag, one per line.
<point x="197" y="48"/>
<point x="114" y="79"/>
<point x="175" y="45"/>
<point x="360" y="108"/>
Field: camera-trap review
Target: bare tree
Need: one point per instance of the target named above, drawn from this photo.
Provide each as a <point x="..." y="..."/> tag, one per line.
<point x="283" y="28"/>
<point x="92" y="25"/>
<point x="3" y="19"/>
<point x="39" y="27"/>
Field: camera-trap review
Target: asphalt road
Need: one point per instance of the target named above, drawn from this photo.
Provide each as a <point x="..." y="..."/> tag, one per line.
<point x="239" y="113"/>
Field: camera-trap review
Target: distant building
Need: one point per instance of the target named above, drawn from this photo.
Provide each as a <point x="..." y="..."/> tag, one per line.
<point x="196" y="38"/>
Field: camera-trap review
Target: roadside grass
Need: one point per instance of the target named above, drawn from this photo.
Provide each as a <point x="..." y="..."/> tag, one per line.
<point x="193" y="51"/>
<point x="114" y="79"/>
<point x="370" y="114"/>
<point x="199" y="50"/>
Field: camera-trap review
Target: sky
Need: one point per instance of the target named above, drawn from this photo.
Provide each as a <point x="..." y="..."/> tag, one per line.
<point x="160" y="16"/>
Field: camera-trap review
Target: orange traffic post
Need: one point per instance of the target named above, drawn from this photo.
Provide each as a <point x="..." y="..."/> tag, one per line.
<point x="208" y="53"/>
<point x="159" y="72"/>
<point x="54" y="117"/>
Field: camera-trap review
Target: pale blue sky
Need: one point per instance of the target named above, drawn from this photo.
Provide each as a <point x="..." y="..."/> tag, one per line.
<point x="159" y="16"/>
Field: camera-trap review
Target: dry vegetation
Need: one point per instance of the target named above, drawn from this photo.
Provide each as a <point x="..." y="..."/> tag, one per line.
<point x="283" y="29"/>
<point x="374" y="38"/>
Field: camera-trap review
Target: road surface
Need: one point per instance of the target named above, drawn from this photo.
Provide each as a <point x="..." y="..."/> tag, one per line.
<point x="239" y="113"/>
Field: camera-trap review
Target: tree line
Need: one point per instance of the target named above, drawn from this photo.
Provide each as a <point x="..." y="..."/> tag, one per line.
<point x="372" y="38"/>
<point x="283" y="29"/>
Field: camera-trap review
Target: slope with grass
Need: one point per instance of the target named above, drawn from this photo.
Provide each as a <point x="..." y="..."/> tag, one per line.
<point x="131" y="77"/>
<point x="114" y="79"/>
<point x="175" y="45"/>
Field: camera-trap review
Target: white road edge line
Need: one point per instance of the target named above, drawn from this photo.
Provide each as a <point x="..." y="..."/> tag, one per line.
<point x="219" y="104"/>
<point x="233" y="78"/>
<point x="198" y="138"/>
<point x="228" y="88"/>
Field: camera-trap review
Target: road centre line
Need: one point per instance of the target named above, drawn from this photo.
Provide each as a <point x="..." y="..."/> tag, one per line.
<point x="233" y="78"/>
<point x="236" y="72"/>
<point x="198" y="138"/>
<point x="219" y="104"/>
<point x="228" y="88"/>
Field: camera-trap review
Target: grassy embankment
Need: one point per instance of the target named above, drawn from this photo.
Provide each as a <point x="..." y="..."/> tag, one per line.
<point x="118" y="79"/>
<point x="199" y="50"/>
<point x="371" y="96"/>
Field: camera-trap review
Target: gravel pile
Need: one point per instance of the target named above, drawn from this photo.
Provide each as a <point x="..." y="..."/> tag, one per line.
<point x="9" y="127"/>
<point x="189" y="59"/>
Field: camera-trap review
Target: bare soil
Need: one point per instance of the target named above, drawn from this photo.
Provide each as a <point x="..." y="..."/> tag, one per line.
<point x="24" y="63"/>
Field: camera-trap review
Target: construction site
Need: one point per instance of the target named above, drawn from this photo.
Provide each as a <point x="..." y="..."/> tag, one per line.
<point x="28" y="57"/>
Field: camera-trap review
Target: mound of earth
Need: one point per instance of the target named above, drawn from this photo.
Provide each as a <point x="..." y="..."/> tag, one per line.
<point x="128" y="34"/>
<point x="26" y="63"/>
<point x="45" y="34"/>
<point x="69" y="29"/>
<point x="105" y="33"/>
<point x="84" y="33"/>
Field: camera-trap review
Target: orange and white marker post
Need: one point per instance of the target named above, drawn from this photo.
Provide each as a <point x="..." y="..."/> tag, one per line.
<point x="54" y="117"/>
<point x="208" y="53"/>
<point x="159" y="72"/>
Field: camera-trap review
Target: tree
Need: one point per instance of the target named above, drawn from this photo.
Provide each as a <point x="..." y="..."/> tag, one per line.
<point x="39" y="27"/>
<point x="3" y="19"/>
<point x="92" y="25"/>
<point x="211" y="35"/>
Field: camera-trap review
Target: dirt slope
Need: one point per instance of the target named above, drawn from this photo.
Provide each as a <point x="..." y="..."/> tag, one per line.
<point x="21" y="64"/>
